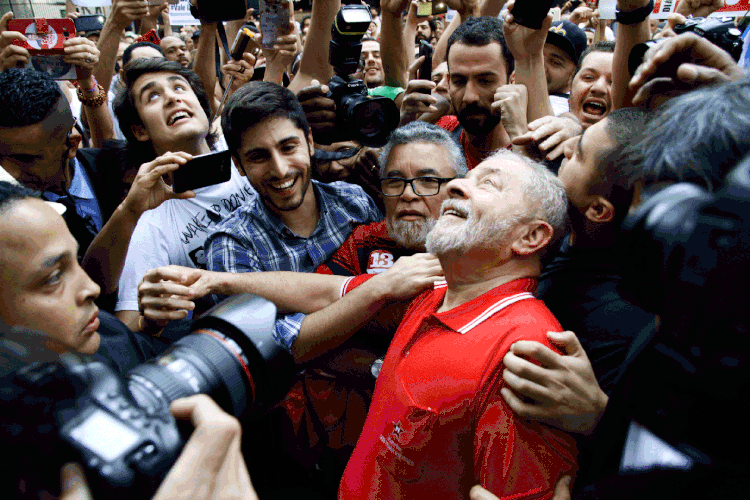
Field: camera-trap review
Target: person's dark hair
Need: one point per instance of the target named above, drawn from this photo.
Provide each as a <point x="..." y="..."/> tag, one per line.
<point x="605" y="46"/>
<point x="254" y="103"/>
<point x="369" y="39"/>
<point x="28" y="97"/>
<point x="124" y="103"/>
<point x="126" y="56"/>
<point x="622" y="127"/>
<point x="302" y="21"/>
<point x="11" y="193"/>
<point x="481" y="31"/>
<point x="697" y="137"/>
<point x="433" y="25"/>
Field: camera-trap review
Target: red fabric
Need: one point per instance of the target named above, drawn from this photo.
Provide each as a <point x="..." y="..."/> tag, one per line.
<point x="368" y="250"/>
<point x="473" y="155"/>
<point x="326" y="409"/>
<point x="438" y="425"/>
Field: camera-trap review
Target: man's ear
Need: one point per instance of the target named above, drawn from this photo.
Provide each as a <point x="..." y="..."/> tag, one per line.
<point x="139" y="131"/>
<point x="600" y="210"/>
<point x="310" y="143"/>
<point x="537" y="235"/>
<point x="512" y="77"/>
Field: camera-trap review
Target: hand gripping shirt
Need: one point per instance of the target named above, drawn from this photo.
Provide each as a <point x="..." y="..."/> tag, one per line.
<point x="438" y="425"/>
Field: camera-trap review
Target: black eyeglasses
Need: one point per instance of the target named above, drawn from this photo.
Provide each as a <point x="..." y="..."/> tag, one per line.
<point x="422" y="186"/>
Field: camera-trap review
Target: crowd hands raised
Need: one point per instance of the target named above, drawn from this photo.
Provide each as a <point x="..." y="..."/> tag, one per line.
<point x="565" y="107"/>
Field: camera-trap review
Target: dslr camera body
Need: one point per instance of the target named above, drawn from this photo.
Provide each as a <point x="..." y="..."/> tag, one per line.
<point x="120" y="428"/>
<point x="361" y="117"/>
<point x="720" y="31"/>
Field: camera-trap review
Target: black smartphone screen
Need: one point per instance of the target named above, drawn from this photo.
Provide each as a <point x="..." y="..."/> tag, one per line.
<point x="202" y="171"/>
<point x="531" y="13"/>
<point x="425" y="69"/>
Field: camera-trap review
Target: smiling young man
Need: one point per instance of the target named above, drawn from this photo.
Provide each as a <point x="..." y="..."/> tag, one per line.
<point x="163" y="112"/>
<point x="591" y="90"/>
<point x="295" y="223"/>
<point x="374" y="75"/>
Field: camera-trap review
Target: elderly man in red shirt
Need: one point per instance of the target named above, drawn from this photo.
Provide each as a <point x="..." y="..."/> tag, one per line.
<point x="438" y="423"/>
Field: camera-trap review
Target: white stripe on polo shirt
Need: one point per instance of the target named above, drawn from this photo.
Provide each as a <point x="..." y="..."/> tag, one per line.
<point x="493" y="309"/>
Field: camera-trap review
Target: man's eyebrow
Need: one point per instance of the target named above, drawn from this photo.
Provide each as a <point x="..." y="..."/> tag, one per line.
<point x="427" y="171"/>
<point x="145" y="88"/>
<point x="55" y="259"/>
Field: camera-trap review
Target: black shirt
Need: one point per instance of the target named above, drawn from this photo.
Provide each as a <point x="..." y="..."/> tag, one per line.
<point x="580" y="287"/>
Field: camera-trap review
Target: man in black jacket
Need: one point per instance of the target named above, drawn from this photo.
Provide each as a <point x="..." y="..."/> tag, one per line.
<point x="39" y="148"/>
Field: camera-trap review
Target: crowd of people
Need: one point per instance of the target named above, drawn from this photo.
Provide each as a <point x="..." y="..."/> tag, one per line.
<point x="464" y="304"/>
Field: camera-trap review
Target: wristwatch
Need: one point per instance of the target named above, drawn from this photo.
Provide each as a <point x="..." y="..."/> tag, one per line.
<point x="634" y="16"/>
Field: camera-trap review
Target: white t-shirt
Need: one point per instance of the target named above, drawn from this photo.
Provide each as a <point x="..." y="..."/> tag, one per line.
<point x="174" y="232"/>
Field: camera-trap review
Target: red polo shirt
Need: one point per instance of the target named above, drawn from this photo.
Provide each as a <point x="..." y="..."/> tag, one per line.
<point x="438" y="425"/>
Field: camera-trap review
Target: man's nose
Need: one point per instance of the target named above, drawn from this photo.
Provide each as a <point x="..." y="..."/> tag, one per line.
<point x="457" y="188"/>
<point x="278" y="166"/>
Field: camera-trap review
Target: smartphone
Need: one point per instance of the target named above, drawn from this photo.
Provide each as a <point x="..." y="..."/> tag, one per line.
<point x="274" y="21"/>
<point x="89" y="23"/>
<point x="425" y="69"/>
<point x="424" y="9"/>
<point x="150" y="36"/>
<point x="45" y="44"/>
<point x="202" y="171"/>
<point x="531" y="13"/>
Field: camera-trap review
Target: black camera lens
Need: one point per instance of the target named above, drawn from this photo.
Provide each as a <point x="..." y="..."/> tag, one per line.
<point x="201" y="363"/>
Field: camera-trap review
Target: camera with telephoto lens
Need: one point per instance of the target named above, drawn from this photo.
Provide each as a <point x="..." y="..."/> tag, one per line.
<point x="364" y="118"/>
<point x="720" y="31"/>
<point x="72" y="408"/>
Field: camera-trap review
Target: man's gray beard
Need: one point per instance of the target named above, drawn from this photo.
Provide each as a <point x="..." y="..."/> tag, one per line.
<point x="410" y="234"/>
<point x="452" y="237"/>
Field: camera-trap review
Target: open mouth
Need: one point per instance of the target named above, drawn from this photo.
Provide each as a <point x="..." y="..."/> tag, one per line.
<point x="177" y="117"/>
<point x="455" y="211"/>
<point x="283" y="186"/>
<point x="595" y="108"/>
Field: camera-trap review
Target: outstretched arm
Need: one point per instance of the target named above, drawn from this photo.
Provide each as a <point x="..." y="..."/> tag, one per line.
<point x="314" y="63"/>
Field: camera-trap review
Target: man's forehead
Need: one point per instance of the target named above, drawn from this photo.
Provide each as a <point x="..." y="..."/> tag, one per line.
<point x="370" y="46"/>
<point x="170" y="41"/>
<point x="490" y="54"/>
<point x="414" y="155"/>
<point x="160" y="76"/>
<point x="554" y="50"/>
<point x="598" y="61"/>
<point x="34" y="232"/>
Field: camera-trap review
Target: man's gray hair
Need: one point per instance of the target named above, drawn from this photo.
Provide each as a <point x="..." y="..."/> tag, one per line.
<point x="543" y="191"/>
<point x="424" y="132"/>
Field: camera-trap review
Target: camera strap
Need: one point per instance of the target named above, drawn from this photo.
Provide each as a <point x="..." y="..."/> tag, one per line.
<point x="217" y="58"/>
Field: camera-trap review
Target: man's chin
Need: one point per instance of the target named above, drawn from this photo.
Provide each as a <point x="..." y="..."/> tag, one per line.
<point x="479" y="127"/>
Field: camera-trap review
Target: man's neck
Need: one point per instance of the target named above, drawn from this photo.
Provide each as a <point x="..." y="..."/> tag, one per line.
<point x="592" y="236"/>
<point x="194" y="147"/>
<point x="487" y="144"/>
<point x="467" y="279"/>
<point x="303" y="220"/>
